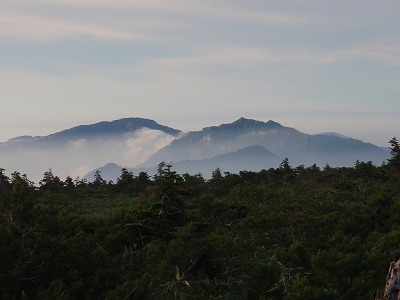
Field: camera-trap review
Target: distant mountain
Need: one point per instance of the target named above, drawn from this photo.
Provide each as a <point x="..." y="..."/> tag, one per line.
<point x="110" y="171"/>
<point x="141" y="144"/>
<point x="216" y="140"/>
<point x="337" y="151"/>
<point x="252" y="158"/>
<point x="18" y="139"/>
<point x="109" y="129"/>
<point x="77" y="150"/>
<point x="299" y="147"/>
<point x="93" y="132"/>
<point x="335" y="134"/>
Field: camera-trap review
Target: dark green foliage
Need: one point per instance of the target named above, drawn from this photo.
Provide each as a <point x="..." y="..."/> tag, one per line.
<point x="50" y="182"/>
<point x="125" y="181"/>
<point x="394" y="160"/>
<point x="98" y="180"/>
<point x="284" y="233"/>
<point x="4" y="181"/>
<point x="128" y="183"/>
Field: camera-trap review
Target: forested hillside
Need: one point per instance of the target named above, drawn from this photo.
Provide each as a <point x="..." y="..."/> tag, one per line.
<point x="282" y="233"/>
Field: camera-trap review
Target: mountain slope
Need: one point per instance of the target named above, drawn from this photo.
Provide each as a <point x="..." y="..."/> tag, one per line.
<point x="77" y="150"/>
<point x="252" y="158"/>
<point x="337" y="151"/>
<point x="98" y="131"/>
<point x="299" y="147"/>
<point x="216" y="140"/>
<point x="110" y="129"/>
<point x="244" y="144"/>
<point x="335" y="134"/>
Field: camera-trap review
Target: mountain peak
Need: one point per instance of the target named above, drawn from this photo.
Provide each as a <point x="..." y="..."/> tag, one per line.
<point x="246" y="124"/>
<point x="250" y="123"/>
<point x="114" y="127"/>
<point x="271" y="123"/>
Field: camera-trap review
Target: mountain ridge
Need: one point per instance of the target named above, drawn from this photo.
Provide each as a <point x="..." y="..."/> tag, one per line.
<point x="247" y="158"/>
<point x="120" y="126"/>
<point x="115" y="127"/>
<point x="300" y="148"/>
<point x="143" y="144"/>
<point x="244" y="123"/>
<point x="75" y="151"/>
<point x="230" y="137"/>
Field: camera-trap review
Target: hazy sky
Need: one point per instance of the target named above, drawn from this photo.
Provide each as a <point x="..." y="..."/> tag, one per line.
<point x="313" y="65"/>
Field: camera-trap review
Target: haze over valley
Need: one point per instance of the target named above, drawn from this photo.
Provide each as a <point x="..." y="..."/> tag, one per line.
<point x="141" y="144"/>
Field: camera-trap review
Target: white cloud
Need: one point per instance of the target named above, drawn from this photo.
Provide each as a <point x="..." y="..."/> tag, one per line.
<point x="78" y="144"/>
<point x="141" y="143"/>
<point x="385" y="50"/>
<point x="40" y="28"/>
<point x="207" y="139"/>
<point x="151" y="20"/>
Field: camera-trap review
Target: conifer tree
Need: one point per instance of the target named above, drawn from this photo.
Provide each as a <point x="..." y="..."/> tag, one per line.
<point x="394" y="160"/>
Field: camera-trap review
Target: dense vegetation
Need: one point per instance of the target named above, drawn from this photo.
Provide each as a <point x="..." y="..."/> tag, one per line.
<point x="284" y="233"/>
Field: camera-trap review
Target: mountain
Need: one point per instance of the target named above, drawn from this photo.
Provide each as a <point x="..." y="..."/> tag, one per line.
<point x="252" y="158"/>
<point x="141" y="144"/>
<point x="111" y="129"/>
<point x="244" y="159"/>
<point x="216" y="140"/>
<point x="337" y="151"/>
<point x="78" y="150"/>
<point x="93" y="132"/>
<point x="110" y="171"/>
<point x="18" y="139"/>
<point x="335" y="134"/>
<point x="252" y="145"/>
<point x="283" y="141"/>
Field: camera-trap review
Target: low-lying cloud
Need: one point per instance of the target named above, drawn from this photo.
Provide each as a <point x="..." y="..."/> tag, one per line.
<point x="77" y="157"/>
<point x="78" y="144"/>
<point x="141" y="143"/>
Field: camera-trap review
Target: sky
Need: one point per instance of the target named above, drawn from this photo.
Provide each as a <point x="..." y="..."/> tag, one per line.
<point x="313" y="65"/>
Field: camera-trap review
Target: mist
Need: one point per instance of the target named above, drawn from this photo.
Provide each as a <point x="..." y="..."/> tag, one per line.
<point x="76" y="157"/>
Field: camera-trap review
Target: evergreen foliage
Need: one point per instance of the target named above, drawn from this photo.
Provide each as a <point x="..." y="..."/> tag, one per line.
<point x="394" y="160"/>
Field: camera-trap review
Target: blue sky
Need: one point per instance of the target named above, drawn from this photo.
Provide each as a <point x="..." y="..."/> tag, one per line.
<point x="313" y="65"/>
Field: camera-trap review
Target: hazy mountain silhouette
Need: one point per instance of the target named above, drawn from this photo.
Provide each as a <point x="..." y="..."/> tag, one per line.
<point x="335" y="134"/>
<point x="109" y="129"/>
<point x="112" y="171"/>
<point x="252" y="158"/>
<point x="78" y="150"/>
<point x="142" y="144"/>
<point x="216" y="140"/>
<point x="299" y="147"/>
<point x="93" y="132"/>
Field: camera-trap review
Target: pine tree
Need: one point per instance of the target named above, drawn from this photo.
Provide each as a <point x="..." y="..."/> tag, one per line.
<point x="394" y="160"/>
